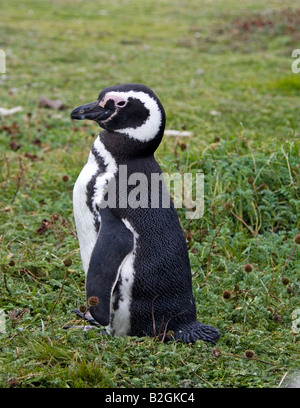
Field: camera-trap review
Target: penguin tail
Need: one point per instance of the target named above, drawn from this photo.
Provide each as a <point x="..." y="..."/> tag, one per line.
<point x="191" y="332"/>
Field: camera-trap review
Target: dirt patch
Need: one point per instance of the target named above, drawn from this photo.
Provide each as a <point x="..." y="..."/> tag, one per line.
<point x="269" y="23"/>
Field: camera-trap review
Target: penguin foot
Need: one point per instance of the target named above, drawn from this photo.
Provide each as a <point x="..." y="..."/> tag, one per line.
<point x="86" y="316"/>
<point x="93" y="324"/>
<point x="84" y="328"/>
<point x="194" y="331"/>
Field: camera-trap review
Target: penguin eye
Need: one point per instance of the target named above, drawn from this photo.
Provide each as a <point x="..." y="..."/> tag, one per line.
<point x="121" y="104"/>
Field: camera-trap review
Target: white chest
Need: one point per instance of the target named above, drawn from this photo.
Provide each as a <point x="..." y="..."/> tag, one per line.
<point x="84" y="217"/>
<point x="87" y="194"/>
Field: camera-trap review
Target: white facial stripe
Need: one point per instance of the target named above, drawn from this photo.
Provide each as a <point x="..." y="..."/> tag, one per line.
<point x="151" y="127"/>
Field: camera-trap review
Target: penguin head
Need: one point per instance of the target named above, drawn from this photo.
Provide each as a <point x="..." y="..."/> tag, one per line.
<point x="132" y="110"/>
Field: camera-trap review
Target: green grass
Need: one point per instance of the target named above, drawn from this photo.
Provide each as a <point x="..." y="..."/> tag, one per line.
<point x="227" y="56"/>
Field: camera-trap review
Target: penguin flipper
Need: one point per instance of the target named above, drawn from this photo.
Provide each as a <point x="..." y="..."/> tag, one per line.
<point x="191" y="332"/>
<point x="114" y="243"/>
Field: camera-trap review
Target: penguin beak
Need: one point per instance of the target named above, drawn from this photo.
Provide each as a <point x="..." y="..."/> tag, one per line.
<point x="91" y="111"/>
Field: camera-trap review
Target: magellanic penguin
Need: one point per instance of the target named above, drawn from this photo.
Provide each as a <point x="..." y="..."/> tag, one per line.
<point x="138" y="276"/>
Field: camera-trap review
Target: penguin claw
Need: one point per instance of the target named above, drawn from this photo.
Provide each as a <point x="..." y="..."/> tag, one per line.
<point x="86" y="316"/>
<point x="84" y="328"/>
<point x="93" y="324"/>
